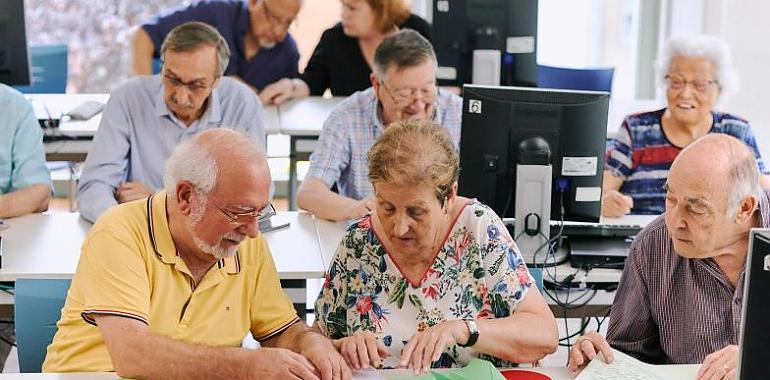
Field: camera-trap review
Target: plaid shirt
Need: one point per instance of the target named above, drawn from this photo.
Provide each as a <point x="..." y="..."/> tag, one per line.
<point x="642" y="155"/>
<point x="351" y="130"/>
<point x="673" y="310"/>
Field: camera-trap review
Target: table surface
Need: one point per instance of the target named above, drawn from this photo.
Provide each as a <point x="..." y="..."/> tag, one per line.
<point x="305" y="117"/>
<point x="48" y="246"/>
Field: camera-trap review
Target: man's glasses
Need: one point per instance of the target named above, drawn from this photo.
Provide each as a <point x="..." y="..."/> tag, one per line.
<point x="405" y="95"/>
<point x="245" y="217"/>
<point x="276" y="20"/>
<point x="194" y="86"/>
<point x="675" y="82"/>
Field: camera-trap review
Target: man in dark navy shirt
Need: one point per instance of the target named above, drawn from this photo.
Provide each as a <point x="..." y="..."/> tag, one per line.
<point x="256" y="32"/>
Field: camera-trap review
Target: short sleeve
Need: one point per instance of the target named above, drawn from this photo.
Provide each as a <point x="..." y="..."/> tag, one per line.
<point x="113" y="275"/>
<point x="508" y="278"/>
<point x="331" y="307"/>
<point x="619" y="155"/>
<point x="332" y="154"/>
<point x="158" y="27"/>
<point x="752" y="143"/>
<point x="271" y="309"/>
<point x="28" y="164"/>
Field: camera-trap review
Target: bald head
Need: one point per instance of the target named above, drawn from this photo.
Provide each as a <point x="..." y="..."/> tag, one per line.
<point x="214" y="157"/>
<point x="719" y="164"/>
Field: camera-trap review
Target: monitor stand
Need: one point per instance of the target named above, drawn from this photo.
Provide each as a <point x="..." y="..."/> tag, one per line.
<point x="532" y="216"/>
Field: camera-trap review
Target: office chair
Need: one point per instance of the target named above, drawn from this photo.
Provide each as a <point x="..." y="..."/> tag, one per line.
<point x="48" y="70"/>
<point x="37" y="308"/>
<point x="575" y="79"/>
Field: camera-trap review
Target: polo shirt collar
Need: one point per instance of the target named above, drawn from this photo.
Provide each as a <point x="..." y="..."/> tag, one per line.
<point x="374" y="105"/>
<point x="163" y="244"/>
<point x="213" y="110"/>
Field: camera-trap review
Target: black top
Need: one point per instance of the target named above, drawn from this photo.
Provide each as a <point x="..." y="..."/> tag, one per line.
<point x="338" y="63"/>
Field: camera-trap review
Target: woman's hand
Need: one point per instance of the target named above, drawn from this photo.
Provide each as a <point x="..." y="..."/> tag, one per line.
<point x="361" y="350"/>
<point x="427" y="346"/>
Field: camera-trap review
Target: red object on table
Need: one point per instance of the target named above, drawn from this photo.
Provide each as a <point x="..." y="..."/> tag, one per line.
<point x="523" y="374"/>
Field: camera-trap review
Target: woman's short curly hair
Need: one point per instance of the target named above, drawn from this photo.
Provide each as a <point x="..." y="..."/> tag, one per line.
<point x="389" y="13"/>
<point x="412" y="153"/>
<point x="713" y="49"/>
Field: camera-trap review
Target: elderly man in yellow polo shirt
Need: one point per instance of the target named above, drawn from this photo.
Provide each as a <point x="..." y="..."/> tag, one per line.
<point x="168" y="286"/>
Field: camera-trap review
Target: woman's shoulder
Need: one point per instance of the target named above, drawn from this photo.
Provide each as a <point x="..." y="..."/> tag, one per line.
<point x="729" y="118"/>
<point x="478" y="214"/>
<point x="644" y="118"/>
<point x="417" y="24"/>
<point x="334" y="34"/>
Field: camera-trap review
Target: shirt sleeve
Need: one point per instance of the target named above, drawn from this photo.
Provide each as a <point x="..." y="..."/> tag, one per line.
<point x="271" y="309"/>
<point x="619" y="156"/>
<point x="113" y="274"/>
<point x="508" y="278"/>
<point x="106" y="165"/>
<point x="332" y="154"/>
<point x="158" y="27"/>
<point x="752" y="143"/>
<point x="316" y="73"/>
<point x="27" y="151"/>
<point x="331" y="307"/>
<point x="632" y="329"/>
<point x="292" y="65"/>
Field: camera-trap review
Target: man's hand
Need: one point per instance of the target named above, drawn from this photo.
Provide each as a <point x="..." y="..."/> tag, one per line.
<point x="129" y="191"/>
<point x="615" y="204"/>
<point x="280" y="363"/>
<point x="361" y="350"/>
<point x="361" y="208"/>
<point x="427" y="346"/>
<point x="278" y="92"/>
<point x="586" y="348"/>
<point x="323" y="355"/>
<point x="720" y="365"/>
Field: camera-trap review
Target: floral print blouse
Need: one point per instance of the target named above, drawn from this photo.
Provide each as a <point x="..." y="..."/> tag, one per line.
<point x="477" y="273"/>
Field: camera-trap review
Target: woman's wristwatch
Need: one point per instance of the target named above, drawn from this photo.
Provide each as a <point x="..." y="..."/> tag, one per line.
<point x="473" y="329"/>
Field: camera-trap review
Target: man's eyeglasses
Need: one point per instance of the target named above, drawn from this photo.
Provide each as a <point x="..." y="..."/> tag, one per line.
<point x="405" y="95"/>
<point x="246" y="217"/>
<point x="194" y="86"/>
<point x="675" y="82"/>
<point x="276" y="20"/>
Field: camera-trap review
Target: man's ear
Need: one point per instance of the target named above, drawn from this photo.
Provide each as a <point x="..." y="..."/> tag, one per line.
<point x="184" y="194"/>
<point x="374" y="79"/>
<point x="746" y="209"/>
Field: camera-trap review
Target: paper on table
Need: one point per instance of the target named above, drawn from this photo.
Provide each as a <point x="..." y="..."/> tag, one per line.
<point x="371" y="374"/>
<point x="625" y="367"/>
<point x="477" y="369"/>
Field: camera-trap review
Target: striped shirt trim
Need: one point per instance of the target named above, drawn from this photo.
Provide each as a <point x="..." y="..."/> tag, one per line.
<point x="87" y="315"/>
<point x="277" y="331"/>
<point x="151" y="226"/>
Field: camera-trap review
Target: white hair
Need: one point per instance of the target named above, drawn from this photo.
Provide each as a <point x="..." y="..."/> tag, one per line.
<point x="743" y="180"/>
<point x="713" y="49"/>
<point x="192" y="162"/>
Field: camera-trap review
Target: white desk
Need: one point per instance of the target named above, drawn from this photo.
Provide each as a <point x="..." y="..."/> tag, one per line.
<point x="303" y="120"/>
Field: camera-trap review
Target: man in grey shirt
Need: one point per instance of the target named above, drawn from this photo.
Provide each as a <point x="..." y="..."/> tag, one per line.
<point x="146" y="117"/>
<point x="680" y="297"/>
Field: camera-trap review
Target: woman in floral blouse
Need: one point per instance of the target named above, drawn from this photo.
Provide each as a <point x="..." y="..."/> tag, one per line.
<point x="429" y="278"/>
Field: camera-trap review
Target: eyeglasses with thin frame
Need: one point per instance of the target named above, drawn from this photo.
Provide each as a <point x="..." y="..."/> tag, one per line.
<point x="405" y="95"/>
<point x="275" y="20"/>
<point x="248" y="216"/>
<point x="675" y="82"/>
<point x="193" y="86"/>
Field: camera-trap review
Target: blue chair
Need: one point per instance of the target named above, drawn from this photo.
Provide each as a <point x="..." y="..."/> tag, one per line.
<point x="48" y="69"/>
<point x="575" y="79"/>
<point x="37" y="308"/>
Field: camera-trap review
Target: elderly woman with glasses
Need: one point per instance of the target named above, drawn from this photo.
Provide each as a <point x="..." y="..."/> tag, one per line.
<point x="429" y="278"/>
<point x="696" y="72"/>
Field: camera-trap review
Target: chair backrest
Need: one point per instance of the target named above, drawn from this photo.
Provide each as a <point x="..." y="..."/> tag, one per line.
<point x="37" y="309"/>
<point x="575" y="79"/>
<point x="48" y="69"/>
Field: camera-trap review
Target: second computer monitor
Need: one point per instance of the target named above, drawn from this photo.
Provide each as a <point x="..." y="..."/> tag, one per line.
<point x="14" y="65"/>
<point x="497" y="121"/>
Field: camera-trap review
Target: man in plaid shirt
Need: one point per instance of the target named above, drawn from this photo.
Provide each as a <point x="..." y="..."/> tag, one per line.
<point x="403" y="87"/>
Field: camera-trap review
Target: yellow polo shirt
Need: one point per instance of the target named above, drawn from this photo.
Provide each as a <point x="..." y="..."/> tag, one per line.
<point x="129" y="267"/>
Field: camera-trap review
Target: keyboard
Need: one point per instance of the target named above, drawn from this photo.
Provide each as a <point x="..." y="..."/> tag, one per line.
<point x="599" y="230"/>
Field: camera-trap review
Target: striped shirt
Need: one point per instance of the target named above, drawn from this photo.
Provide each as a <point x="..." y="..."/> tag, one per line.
<point x="641" y="154"/>
<point x="351" y="130"/>
<point x="673" y="310"/>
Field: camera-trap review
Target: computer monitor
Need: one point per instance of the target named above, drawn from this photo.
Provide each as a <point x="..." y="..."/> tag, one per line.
<point x="508" y="26"/>
<point x="14" y="64"/>
<point x="755" y="324"/>
<point x="572" y="125"/>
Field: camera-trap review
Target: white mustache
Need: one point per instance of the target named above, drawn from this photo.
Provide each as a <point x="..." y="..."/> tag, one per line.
<point x="187" y="104"/>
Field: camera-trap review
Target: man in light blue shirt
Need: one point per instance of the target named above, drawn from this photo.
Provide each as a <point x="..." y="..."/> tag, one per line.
<point x="25" y="184"/>
<point x="146" y="117"/>
<point x="403" y="87"/>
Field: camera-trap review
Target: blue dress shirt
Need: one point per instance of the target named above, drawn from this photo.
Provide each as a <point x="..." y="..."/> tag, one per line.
<point x="22" y="159"/>
<point x="138" y="133"/>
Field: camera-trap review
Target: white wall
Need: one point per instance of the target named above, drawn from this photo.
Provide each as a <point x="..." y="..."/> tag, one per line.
<point x="745" y="28"/>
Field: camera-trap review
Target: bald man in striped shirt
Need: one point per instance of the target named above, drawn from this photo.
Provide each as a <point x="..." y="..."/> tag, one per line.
<point x="680" y="297"/>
